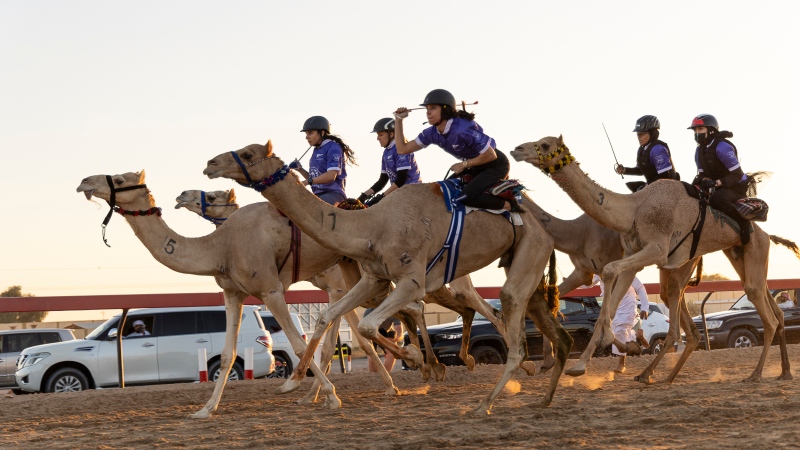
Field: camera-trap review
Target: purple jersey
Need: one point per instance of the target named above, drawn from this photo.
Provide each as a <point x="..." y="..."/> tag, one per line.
<point x="391" y="163"/>
<point x="659" y="158"/>
<point x="725" y="154"/>
<point x="328" y="156"/>
<point x="462" y="138"/>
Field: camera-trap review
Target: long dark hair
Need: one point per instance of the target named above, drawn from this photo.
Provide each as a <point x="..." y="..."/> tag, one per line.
<point x="349" y="155"/>
<point x="450" y="113"/>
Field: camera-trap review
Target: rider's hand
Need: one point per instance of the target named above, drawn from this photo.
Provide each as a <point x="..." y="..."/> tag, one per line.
<point x="401" y="113"/>
<point x="708" y="183"/>
<point x="296" y="164"/>
<point x="643" y="315"/>
<point x="457" y="167"/>
<point x="619" y="168"/>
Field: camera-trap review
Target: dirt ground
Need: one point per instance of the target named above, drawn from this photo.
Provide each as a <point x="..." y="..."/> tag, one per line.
<point x="707" y="407"/>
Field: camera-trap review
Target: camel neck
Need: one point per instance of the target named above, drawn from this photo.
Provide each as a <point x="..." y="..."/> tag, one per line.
<point x="334" y="228"/>
<point x="565" y="233"/>
<point x="609" y="209"/>
<point x="181" y="254"/>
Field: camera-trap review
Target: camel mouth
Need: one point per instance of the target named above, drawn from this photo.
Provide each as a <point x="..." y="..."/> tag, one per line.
<point x="181" y="204"/>
<point x="88" y="194"/>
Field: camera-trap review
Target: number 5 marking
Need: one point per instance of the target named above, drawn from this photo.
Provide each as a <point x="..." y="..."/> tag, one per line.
<point x="169" y="248"/>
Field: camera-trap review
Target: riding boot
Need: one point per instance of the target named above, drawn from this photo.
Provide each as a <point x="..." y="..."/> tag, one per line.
<point x="516" y="207"/>
<point x="744" y="233"/>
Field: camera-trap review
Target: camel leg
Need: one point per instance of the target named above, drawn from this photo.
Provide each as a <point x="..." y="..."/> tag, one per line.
<point x="551" y="328"/>
<point x="602" y="335"/>
<point x="575" y="280"/>
<point x="514" y="296"/>
<point x="417" y="311"/>
<point x="366" y="288"/>
<point x="234" y="304"/>
<point x="466" y="331"/>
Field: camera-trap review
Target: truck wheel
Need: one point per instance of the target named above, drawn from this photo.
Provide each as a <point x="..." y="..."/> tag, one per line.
<point x="283" y="367"/>
<point x="486" y="355"/>
<point x="67" y="380"/>
<point x="742" y="338"/>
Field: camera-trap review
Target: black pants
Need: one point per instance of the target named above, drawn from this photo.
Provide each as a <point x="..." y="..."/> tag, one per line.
<point x="483" y="177"/>
<point x="723" y="199"/>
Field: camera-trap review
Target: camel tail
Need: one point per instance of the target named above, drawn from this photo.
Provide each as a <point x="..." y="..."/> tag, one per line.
<point x="552" y="287"/>
<point x="698" y="274"/>
<point x="786" y="243"/>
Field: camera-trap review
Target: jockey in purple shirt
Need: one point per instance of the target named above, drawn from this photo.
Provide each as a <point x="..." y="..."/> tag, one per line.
<point x="653" y="159"/>
<point x="718" y="168"/>
<point x="457" y="133"/>
<point x="396" y="169"/>
<point x="327" y="171"/>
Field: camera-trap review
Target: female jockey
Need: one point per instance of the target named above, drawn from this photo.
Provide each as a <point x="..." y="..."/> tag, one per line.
<point x="396" y="169"/>
<point x="327" y="171"/>
<point x="457" y="133"/>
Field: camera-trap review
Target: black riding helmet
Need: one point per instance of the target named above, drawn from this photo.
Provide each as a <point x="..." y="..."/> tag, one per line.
<point x="316" y="123"/>
<point x="647" y="123"/>
<point x="439" y="97"/>
<point x="385" y="124"/>
<point x="704" y="120"/>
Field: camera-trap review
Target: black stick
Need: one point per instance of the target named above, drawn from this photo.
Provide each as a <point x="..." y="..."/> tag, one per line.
<point x="612" y="148"/>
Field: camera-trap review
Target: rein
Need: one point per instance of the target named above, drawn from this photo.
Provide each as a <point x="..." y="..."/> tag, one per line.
<point x="563" y="162"/>
<point x="244" y="167"/>
<point x="112" y="202"/>
<point x="204" y="205"/>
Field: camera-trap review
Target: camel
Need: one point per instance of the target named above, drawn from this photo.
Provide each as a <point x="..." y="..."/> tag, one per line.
<point x="239" y="266"/>
<point x="394" y="241"/>
<point x="652" y="223"/>
<point x="461" y="297"/>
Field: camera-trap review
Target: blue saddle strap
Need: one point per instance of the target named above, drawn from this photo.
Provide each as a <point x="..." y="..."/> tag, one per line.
<point x="453" y="240"/>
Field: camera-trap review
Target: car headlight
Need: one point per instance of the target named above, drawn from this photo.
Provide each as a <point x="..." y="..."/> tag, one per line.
<point x="452" y="336"/>
<point x="713" y="324"/>
<point x="32" y="359"/>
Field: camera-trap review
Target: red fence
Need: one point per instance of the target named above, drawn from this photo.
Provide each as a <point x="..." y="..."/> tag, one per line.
<point x="86" y="302"/>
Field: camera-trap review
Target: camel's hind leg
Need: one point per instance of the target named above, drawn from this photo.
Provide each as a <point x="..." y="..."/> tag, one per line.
<point x="514" y="296"/>
<point x="551" y="328"/>
<point x="416" y="311"/>
<point x="234" y="304"/>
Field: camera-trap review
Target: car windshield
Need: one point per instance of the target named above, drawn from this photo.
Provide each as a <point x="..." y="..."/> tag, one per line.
<point x="494" y="303"/>
<point x="102" y="328"/>
<point x="743" y="304"/>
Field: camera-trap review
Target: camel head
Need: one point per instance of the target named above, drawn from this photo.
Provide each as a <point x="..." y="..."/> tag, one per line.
<point x="98" y="186"/>
<point x="548" y="154"/>
<point x="193" y="201"/>
<point x="255" y="162"/>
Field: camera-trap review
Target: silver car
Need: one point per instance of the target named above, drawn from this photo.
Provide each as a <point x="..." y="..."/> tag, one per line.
<point x="13" y="342"/>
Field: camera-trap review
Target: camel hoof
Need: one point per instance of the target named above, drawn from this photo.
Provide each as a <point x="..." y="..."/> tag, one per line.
<point x="439" y="370"/>
<point x="392" y="391"/>
<point x="545" y="368"/>
<point x="633" y="348"/>
<point x="752" y="379"/>
<point x="470" y="362"/>
<point x="425" y="371"/>
<point x="416" y="355"/>
<point x="289" y="386"/>
<point x="786" y="376"/>
<point x="529" y="367"/>
<point x="332" y="401"/>
<point x="307" y="400"/>
<point x="202" y="414"/>
<point x="575" y="371"/>
<point x="642" y="378"/>
<point x="540" y="405"/>
<point x="481" y="411"/>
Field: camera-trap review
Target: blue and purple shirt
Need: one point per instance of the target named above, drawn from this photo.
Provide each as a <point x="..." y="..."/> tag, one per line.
<point x="726" y="154"/>
<point x="328" y="156"/>
<point x="462" y="138"/>
<point x="392" y="162"/>
<point x="660" y="158"/>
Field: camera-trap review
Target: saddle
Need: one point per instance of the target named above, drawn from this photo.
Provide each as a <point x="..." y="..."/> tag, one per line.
<point x="505" y="189"/>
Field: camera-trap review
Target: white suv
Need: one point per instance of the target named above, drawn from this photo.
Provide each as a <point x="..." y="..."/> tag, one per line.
<point x="166" y="354"/>
<point x="285" y="358"/>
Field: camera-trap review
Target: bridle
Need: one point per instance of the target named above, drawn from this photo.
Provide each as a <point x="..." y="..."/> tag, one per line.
<point x="112" y="202"/>
<point x="259" y="186"/>
<point x="204" y="205"/>
<point x="563" y="162"/>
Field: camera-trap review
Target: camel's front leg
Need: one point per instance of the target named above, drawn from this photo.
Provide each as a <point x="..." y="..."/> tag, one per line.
<point x="234" y="303"/>
<point x="551" y="328"/>
<point x="367" y="288"/>
<point x="417" y="311"/>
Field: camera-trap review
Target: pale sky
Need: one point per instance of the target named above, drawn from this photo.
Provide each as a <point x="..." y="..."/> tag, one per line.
<point x="109" y="87"/>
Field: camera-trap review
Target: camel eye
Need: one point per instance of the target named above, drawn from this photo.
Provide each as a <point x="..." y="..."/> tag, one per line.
<point x="247" y="155"/>
<point x="210" y="198"/>
<point x="118" y="181"/>
<point x="545" y="146"/>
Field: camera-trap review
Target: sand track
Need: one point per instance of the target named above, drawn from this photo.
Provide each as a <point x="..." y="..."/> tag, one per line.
<point x="707" y="407"/>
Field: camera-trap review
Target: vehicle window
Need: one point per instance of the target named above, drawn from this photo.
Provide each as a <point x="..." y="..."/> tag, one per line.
<point x="130" y="321"/>
<point x="15" y="343"/>
<point x="271" y="324"/>
<point x="494" y="303"/>
<point x="568" y="307"/>
<point x="50" y="337"/>
<point x="743" y="303"/>
<point x="654" y="309"/>
<point x="180" y="323"/>
<point x="215" y="321"/>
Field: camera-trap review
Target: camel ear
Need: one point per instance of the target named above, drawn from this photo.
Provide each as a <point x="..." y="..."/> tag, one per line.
<point x="141" y="177"/>
<point x="231" y="196"/>
<point x="560" y="140"/>
<point x="269" y="148"/>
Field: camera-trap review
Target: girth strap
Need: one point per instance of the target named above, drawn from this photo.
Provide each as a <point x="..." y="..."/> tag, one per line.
<point x="696" y="230"/>
<point x="453" y="240"/>
<point x="294" y="249"/>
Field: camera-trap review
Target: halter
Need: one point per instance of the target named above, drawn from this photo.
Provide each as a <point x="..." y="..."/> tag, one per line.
<point x="112" y="202"/>
<point x="259" y="186"/>
<point x="204" y="204"/>
<point x="244" y="168"/>
<point x="563" y="162"/>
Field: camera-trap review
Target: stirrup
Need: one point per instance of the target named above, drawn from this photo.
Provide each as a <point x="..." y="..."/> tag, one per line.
<point x="515" y="206"/>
